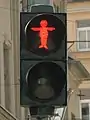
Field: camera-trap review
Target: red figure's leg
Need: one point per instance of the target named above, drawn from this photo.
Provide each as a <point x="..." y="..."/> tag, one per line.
<point x="45" y="43"/>
<point x="41" y="45"/>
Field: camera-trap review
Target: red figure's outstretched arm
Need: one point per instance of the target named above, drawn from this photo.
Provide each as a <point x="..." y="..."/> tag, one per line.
<point x="50" y="28"/>
<point x="35" y="29"/>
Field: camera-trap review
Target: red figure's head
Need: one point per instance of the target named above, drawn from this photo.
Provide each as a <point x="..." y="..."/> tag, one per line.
<point x="43" y="23"/>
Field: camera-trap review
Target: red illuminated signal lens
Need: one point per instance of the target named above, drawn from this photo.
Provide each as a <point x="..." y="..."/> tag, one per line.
<point x="43" y="33"/>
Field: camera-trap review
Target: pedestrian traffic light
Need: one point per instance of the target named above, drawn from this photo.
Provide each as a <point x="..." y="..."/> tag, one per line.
<point x="43" y="59"/>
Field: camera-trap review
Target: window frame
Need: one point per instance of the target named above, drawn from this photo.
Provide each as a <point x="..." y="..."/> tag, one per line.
<point x="84" y="101"/>
<point x="82" y="29"/>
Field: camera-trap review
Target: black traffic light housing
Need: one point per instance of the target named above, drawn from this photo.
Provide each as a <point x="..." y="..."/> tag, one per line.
<point x="43" y="59"/>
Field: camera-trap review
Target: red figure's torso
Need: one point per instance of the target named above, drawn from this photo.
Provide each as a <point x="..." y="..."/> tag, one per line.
<point x="43" y="33"/>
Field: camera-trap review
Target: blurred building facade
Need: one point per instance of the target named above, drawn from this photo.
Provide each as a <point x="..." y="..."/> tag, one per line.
<point x="78" y="30"/>
<point x="9" y="60"/>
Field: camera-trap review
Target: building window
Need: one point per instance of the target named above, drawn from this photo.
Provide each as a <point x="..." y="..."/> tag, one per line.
<point x="83" y="34"/>
<point x="85" y="109"/>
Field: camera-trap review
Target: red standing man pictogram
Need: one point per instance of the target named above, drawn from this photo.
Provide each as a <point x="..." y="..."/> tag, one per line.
<point x="43" y="33"/>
